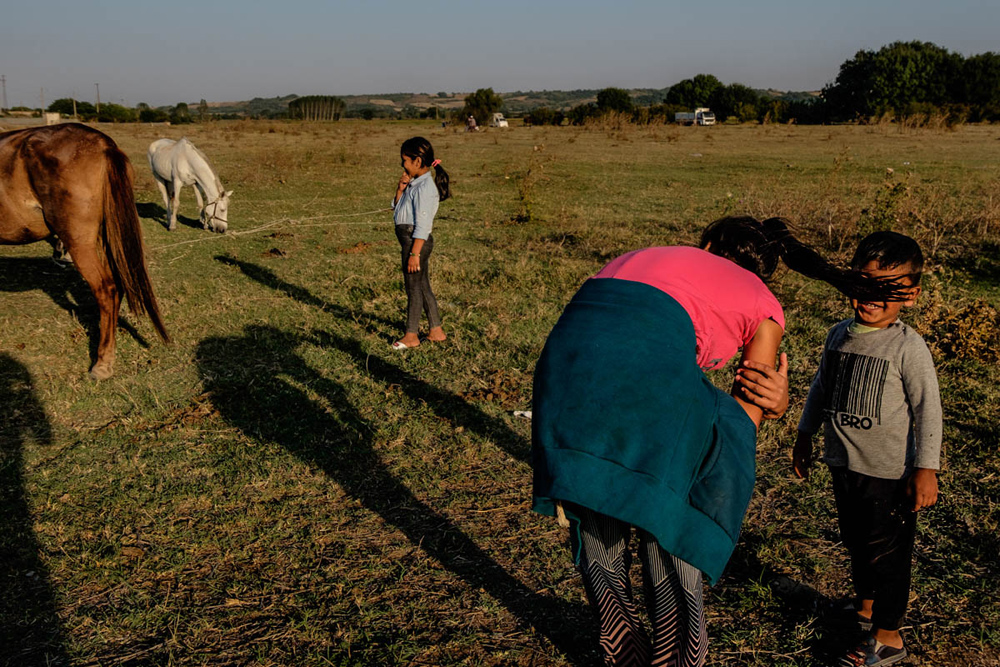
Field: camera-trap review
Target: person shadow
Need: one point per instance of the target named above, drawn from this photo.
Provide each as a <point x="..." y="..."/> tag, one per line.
<point x="256" y="381"/>
<point x="267" y="278"/>
<point x="30" y="630"/>
<point x="444" y="403"/>
<point x="63" y="284"/>
<point x="801" y="605"/>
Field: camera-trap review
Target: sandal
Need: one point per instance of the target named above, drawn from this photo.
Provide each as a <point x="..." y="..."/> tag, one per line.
<point x="872" y="653"/>
<point x="400" y="345"/>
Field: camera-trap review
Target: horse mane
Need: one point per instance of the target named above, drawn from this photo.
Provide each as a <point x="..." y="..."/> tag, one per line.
<point x="215" y="174"/>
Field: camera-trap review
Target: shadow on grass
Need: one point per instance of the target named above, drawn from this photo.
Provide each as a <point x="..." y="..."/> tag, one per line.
<point x="267" y="278"/>
<point x="30" y="631"/>
<point x="445" y="404"/>
<point x="63" y="284"/>
<point x="256" y="381"/>
<point x="152" y="211"/>
<point x="799" y="604"/>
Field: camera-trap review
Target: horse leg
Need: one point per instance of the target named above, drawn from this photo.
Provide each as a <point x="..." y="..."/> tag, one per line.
<point x="175" y="203"/>
<point x="201" y="206"/>
<point x="162" y="187"/>
<point x="94" y="270"/>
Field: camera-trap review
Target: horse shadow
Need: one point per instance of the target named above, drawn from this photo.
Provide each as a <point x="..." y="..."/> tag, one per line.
<point x="153" y="211"/>
<point x="30" y="630"/>
<point x="63" y="284"/>
<point x="255" y="381"/>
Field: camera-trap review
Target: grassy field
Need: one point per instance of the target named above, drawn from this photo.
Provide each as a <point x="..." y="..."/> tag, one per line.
<point x="278" y="487"/>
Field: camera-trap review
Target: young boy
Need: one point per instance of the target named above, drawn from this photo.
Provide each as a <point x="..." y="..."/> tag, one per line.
<point x="876" y="394"/>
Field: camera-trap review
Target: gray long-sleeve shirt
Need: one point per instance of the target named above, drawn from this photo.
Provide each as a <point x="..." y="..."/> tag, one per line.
<point x="876" y="393"/>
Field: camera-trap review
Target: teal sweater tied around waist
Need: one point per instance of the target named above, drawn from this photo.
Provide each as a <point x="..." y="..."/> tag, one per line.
<point x="626" y="424"/>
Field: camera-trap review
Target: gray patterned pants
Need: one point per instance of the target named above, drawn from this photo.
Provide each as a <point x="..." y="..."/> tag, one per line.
<point x="672" y="590"/>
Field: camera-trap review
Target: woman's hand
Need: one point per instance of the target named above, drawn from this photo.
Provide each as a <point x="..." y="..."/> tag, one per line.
<point x="764" y="386"/>
<point x="413" y="264"/>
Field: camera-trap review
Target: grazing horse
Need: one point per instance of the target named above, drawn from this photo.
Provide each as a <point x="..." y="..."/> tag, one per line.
<point x="178" y="163"/>
<point x="73" y="181"/>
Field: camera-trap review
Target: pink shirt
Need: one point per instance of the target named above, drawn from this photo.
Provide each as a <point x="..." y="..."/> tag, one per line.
<point x="726" y="303"/>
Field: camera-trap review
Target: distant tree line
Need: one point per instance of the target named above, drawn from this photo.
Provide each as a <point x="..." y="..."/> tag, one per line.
<point x="907" y="78"/>
<point x="902" y="80"/>
<point x="117" y="113"/>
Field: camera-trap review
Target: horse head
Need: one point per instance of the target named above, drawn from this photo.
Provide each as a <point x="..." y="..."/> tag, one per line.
<point x="215" y="215"/>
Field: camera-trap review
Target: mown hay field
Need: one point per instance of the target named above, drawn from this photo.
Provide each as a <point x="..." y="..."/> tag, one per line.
<point x="278" y="487"/>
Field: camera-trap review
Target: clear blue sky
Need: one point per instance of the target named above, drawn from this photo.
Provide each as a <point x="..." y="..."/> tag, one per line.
<point x="221" y="50"/>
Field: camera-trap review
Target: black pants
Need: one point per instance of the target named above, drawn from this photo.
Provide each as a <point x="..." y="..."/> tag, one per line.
<point x="419" y="296"/>
<point x="878" y="528"/>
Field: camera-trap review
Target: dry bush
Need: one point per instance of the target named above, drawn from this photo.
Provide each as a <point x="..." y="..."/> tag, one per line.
<point x="969" y="331"/>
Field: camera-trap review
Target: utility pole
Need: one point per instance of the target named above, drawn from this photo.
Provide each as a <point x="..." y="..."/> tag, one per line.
<point x="98" y="87"/>
<point x="3" y="83"/>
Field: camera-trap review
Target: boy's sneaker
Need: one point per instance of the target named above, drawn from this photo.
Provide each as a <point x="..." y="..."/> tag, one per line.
<point x="872" y="653"/>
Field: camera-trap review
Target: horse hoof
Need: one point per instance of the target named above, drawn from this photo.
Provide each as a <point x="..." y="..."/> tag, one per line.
<point x="101" y="372"/>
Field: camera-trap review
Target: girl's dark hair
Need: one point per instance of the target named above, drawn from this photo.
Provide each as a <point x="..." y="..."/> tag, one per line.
<point x="757" y="247"/>
<point x="418" y="147"/>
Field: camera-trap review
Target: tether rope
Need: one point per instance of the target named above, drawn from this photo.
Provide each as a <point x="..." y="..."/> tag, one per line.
<point x="291" y="222"/>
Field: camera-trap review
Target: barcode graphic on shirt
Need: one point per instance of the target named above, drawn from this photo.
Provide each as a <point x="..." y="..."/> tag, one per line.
<point x="856" y="383"/>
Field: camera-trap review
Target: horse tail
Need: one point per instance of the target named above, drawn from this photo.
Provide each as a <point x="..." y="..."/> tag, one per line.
<point x="122" y="237"/>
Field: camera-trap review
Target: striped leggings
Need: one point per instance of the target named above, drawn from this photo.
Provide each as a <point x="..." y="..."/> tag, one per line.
<point x="672" y="590"/>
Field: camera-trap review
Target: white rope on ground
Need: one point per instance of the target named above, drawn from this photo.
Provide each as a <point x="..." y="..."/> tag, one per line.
<point x="289" y="221"/>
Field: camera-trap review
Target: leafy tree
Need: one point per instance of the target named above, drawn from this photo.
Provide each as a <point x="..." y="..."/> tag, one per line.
<point x="203" y="110"/>
<point x="693" y="93"/>
<point x="614" y="99"/>
<point x="981" y="85"/>
<point x="148" y="115"/>
<point x="544" y="116"/>
<point x="180" y="114"/>
<point x="737" y="101"/>
<point x="900" y="77"/>
<point x="116" y="113"/>
<point x="64" y="105"/>
<point x="481" y="105"/>
<point x="579" y="114"/>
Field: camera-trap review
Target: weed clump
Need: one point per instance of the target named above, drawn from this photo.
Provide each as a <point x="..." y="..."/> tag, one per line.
<point x="967" y="332"/>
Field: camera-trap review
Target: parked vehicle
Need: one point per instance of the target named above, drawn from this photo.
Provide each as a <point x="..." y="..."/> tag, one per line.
<point x="498" y="121"/>
<point x="700" y="116"/>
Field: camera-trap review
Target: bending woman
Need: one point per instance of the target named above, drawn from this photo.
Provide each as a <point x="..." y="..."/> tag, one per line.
<point x="627" y="430"/>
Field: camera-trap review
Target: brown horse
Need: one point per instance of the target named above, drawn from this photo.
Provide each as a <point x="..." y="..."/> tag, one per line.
<point x="73" y="181"/>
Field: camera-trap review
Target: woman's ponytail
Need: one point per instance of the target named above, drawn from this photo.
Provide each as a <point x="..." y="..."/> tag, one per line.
<point x="802" y="259"/>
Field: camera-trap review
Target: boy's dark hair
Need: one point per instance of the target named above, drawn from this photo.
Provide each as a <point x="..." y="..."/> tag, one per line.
<point x="889" y="250"/>
<point x="757" y="247"/>
<point x="418" y="147"/>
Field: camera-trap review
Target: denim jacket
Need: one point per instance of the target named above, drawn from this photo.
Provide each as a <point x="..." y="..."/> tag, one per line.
<point x="418" y="205"/>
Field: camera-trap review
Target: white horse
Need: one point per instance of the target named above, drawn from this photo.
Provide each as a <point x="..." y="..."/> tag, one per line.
<point x="178" y="163"/>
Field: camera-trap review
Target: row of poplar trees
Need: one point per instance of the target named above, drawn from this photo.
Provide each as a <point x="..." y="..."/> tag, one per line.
<point x="316" y="107"/>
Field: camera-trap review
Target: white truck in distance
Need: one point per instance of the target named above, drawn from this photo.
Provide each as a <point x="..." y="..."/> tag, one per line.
<point x="700" y="116"/>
